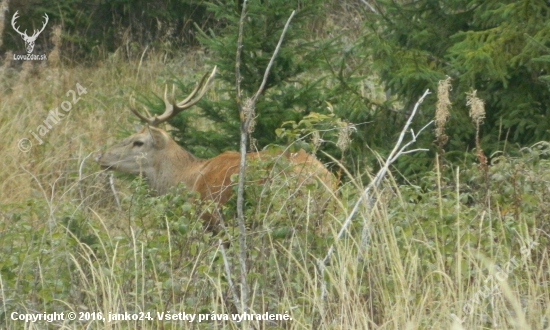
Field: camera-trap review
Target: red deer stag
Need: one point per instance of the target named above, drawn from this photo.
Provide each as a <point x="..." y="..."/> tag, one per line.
<point x="151" y="152"/>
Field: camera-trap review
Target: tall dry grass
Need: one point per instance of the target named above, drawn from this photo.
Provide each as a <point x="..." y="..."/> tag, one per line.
<point x="31" y="90"/>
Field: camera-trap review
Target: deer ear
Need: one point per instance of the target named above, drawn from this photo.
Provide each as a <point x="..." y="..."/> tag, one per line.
<point x="137" y="127"/>
<point x="160" y="139"/>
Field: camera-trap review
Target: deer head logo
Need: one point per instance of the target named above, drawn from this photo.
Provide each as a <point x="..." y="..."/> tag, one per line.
<point x="29" y="40"/>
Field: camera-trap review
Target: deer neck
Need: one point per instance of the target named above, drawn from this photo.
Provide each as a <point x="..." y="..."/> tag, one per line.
<point x="173" y="166"/>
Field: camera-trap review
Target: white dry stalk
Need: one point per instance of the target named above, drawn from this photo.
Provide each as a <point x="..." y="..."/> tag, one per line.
<point x="113" y="189"/>
<point x="80" y="168"/>
<point x="53" y="57"/>
<point x="229" y="278"/>
<point x="477" y="113"/>
<point x="397" y="151"/>
<point x="316" y="140"/>
<point x="371" y="8"/>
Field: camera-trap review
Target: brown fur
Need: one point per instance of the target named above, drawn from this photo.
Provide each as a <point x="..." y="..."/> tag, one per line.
<point x="152" y="153"/>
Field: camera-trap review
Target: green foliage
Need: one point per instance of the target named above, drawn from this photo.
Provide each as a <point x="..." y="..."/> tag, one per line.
<point x="491" y="218"/>
<point x="312" y="130"/>
<point x="279" y="197"/>
<point x="156" y="254"/>
<point x="498" y="48"/>
<point x="287" y="95"/>
<point x="314" y="74"/>
<point x="81" y="262"/>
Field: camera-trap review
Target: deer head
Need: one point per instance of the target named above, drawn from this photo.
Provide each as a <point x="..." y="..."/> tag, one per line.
<point x="151" y="152"/>
<point x="29" y="40"/>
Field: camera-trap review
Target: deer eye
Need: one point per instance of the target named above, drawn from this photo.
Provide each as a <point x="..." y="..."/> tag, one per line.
<point x="138" y="143"/>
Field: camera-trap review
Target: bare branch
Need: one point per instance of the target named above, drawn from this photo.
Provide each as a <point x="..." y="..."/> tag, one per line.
<point x="413" y="140"/>
<point x="229" y="278"/>
<point x="242" y="163"/>
<point x="414" y="150"/>
<point x="246" y="116"/>
<point x="266" y="74"/>
<point x="238" y="57"/>
<point x="396" y="152"/>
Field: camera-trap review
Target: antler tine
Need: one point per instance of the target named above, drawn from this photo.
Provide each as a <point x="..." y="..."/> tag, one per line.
<point x="167" y="103"/>
<point x="149" y="121"/>
<point x="36" y="32"/>
<point x="171" y="108"/>
<point x="14" y="18"/>
<point x="168" y="107"/>
<point x="201" y="84"/>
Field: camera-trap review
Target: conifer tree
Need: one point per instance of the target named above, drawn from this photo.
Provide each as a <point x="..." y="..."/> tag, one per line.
<point x="501" y="48"/>
<point x="283" y="99"/>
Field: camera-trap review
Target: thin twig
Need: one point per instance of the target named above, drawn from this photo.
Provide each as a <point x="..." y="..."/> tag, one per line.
<point x="266" y="74"/>
<point x="141" y="61"/>
<point x="229" y="278"/>
<point x="413" y="140"/>
<point x="80" y="175"/>
<point x="396" y="152"/>
<point x="413" y="151"/>
<point x="112" y="184"/>
<point x="238" y="57"/>
<point x="370" y="6"/>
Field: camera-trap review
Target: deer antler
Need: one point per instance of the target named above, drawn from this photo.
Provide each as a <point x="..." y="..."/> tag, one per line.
<point x="173" y="108"/>
<point x="16" y="28"/>
<point x="35" y="34"/>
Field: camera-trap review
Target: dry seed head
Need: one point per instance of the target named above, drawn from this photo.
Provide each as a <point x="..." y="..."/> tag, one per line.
<point x="249" y="115"/>
<point x="343" y="136"/>
<point x="252" y="144"/>
<point x="477" y="107"/>
<point x="53" y="58"/>
<point x="56" y="38"/>
<point x="442" y="107"/>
